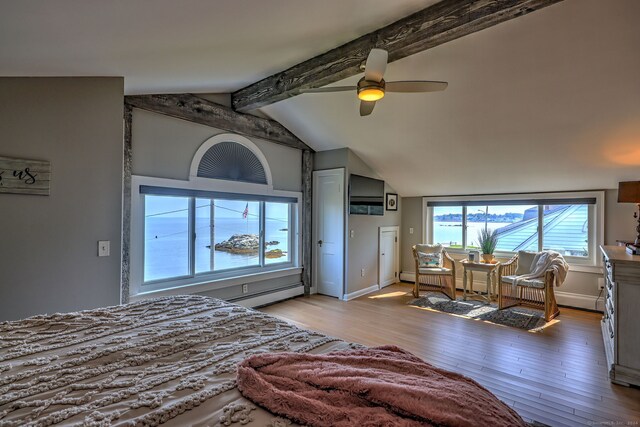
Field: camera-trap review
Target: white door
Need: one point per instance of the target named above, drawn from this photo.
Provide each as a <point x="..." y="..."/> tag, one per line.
<point x="388" y="256"/>
<point x="328" y="238"/>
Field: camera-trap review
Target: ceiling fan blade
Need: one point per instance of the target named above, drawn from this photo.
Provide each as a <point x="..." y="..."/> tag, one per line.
<point x="415" y="86"/>
<point x="329" y="89"/>
<point x="376" y="65"/>
<point x="366" y="107"/>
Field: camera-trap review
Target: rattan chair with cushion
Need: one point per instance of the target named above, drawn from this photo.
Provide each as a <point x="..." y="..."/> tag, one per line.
<point x="537" y="293"/>
<point x="435" y="270"/>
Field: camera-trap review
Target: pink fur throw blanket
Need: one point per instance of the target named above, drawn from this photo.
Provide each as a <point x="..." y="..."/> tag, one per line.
<point x="382" y="386"/>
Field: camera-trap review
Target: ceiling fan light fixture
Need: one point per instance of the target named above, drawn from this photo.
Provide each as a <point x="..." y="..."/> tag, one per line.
<point x="371" y="94"/>
<point x="370" y="91"/>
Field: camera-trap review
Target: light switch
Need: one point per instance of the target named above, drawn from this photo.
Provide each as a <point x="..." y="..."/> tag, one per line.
<point x="104" y="247"/>
<point x="410" y="230"/>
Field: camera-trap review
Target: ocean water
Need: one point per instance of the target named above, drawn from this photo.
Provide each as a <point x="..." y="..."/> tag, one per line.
<point x="449" y="233"/>
<point x="167" y="244"/>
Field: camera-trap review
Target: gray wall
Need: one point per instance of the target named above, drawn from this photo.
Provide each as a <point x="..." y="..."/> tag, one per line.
<point x="331" y="159"/>
<point x="48" y="252"/>
<point x="361" y="250"/>
<point x="619" y="225"/>
<point x="163" y="147"/>
<point x="411" y="218"/>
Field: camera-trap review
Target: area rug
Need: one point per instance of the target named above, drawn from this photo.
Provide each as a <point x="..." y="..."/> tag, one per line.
<point x="515" y="317"/>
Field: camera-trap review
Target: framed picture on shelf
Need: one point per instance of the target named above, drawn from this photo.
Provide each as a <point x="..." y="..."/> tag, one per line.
<point x="392" y="202"/>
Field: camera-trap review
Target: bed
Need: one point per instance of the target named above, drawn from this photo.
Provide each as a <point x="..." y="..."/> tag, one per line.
<point x="169" y="361"/>
<point x="174" y="362"/>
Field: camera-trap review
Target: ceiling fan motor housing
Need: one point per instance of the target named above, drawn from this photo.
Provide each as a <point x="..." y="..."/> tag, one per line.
<point x="369" y="90"/>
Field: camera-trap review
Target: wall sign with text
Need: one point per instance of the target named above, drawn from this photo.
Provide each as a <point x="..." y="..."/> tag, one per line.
<point x="20" y="176"/>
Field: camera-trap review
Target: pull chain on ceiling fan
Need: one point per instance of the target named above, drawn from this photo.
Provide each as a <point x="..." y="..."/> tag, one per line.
<point x="372" y="87"/>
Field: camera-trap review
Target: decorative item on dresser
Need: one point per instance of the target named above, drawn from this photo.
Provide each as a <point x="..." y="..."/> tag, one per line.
<point x="621" y="318"/>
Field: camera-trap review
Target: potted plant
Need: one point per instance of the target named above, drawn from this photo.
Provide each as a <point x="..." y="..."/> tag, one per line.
<point x="488" y="240"/>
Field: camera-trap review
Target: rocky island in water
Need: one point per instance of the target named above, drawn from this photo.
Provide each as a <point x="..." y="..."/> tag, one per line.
<point x="248" y="244"/>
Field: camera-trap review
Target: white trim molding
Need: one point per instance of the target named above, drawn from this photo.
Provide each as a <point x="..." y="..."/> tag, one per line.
<point x="210" y="285"/>
<point x="579" y="300"/>
<point x="361" y="292"/>
<point x="271" y="297"/>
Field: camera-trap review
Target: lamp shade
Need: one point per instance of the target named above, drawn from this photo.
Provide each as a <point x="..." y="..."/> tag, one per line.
<point x="629" y="192"/>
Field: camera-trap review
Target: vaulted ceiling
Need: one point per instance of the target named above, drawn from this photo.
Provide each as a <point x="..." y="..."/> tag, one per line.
<point x="169" y="46"/>
<point x="547" y="101"/>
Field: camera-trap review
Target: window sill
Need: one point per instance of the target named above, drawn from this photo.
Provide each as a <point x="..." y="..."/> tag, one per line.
<point x="209" y="285"/>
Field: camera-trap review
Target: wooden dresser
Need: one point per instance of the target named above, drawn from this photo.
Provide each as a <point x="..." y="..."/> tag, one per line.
<point x="621" y="320"/>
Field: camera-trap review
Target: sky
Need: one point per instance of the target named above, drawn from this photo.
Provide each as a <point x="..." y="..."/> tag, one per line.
<point x="177" y="207"/>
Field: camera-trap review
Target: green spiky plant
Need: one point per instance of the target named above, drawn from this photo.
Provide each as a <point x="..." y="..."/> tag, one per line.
<point x="488" y="240"/>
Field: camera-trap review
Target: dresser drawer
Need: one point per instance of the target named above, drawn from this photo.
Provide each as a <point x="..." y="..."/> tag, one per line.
<point x="608" y="270"/>
<point x="609" y="300"/>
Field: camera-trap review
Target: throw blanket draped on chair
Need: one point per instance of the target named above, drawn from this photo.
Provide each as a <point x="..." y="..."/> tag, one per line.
<point x="544" y="261"/>
<point x="368" y="387"/>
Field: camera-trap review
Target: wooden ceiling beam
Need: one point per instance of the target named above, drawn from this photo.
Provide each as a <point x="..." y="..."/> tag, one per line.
<point x="198" y="110"/>
<point x="425" y="29"/>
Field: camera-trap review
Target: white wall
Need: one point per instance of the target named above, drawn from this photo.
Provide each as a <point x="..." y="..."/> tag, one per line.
<point x="48" y="244"/>
<point x="544" y="102"/>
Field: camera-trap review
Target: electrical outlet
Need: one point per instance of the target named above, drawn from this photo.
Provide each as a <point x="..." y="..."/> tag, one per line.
<point x="600" y="283"/>
<point x="245" y="288"/>
<point x="362" y="272"/>
<point x="352" y="233"/>
<point x="104" y="247"/>
<point x="410" y="230"/>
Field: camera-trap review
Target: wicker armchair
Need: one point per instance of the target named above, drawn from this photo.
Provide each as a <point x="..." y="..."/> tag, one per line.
<point x="536" y="293"/>
<point x="441" y="278"/>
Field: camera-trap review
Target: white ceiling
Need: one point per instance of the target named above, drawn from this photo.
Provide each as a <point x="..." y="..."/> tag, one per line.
<point x="172" y="46"/>
<point x="548" y="101"/>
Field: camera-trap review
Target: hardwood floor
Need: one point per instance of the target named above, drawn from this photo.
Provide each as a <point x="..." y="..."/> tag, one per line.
<point x="556" y="376"/>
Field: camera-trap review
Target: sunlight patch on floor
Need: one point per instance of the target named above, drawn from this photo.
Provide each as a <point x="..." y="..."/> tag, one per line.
<point x="388" y="295"/>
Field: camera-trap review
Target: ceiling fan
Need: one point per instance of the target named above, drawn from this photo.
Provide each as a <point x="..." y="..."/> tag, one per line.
<point x="372" y="86"/>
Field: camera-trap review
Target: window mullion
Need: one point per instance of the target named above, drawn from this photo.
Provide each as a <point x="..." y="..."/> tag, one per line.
<point x="192" y="233"/>
<point x="212" y="234"/>
<point x="540" y="227"/>
<point x="464" y="227"/>
<point x="261" y="233"/>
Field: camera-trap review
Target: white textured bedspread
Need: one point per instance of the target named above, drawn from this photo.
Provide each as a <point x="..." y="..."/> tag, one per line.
<point x="169" y="361"/>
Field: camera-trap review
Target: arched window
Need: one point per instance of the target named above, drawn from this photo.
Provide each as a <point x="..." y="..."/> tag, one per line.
<point x="231" y="157"/>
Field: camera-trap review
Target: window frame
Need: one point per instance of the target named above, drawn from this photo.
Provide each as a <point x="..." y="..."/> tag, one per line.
<point x="197" y="282"/>
<point x="592" y="263"/>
